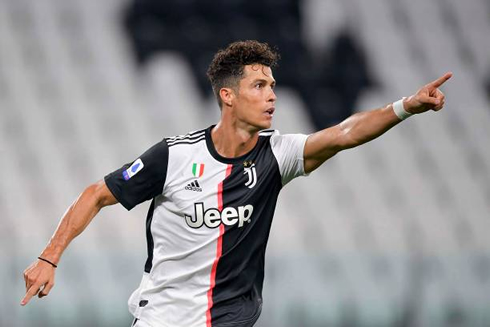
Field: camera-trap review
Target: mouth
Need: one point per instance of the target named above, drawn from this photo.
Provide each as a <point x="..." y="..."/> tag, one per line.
<point x="270" y="111"/>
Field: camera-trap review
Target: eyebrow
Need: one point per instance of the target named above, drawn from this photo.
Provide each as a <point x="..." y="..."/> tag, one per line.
<point x="263" y="81"/>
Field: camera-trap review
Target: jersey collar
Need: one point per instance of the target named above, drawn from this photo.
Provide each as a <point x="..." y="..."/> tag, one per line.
<point x="220" y="158"/>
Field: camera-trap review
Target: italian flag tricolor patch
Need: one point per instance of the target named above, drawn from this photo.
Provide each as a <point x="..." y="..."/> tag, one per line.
<point x="197" y="169"/>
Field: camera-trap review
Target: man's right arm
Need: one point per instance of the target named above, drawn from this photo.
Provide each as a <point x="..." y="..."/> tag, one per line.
<point x="39" y="276"/>
<point x="366" y="126"/>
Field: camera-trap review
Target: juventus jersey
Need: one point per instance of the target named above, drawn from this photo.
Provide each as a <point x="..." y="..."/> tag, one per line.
<point x="207" y="226"/>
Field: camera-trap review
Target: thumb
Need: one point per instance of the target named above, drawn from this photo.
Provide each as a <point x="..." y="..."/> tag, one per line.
<point x="47" y="288"/>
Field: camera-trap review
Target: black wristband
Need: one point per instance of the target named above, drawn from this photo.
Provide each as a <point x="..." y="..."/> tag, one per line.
<point x="52" y="264"/>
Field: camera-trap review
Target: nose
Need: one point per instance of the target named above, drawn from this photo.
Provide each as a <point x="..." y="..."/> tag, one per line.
<point x="272" y="96"/>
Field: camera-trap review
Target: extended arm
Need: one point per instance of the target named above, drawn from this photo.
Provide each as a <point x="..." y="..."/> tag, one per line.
<point x="366" y="126"/>
<point x="75" y="220"/>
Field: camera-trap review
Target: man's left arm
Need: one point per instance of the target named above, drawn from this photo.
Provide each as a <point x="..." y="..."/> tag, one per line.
<point x="366" y="126"/>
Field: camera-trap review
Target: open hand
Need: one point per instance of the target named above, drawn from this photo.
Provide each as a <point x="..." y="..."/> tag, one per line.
<point x="38" y="275"/>
<point x="428" y="97"/>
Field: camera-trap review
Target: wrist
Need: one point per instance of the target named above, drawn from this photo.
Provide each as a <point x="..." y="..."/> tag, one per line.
<point x="50" y="256"/>
<point x="47" y="261"/>
<point x="399" y="109"/>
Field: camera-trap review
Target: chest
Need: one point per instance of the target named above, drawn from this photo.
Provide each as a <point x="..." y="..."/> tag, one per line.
<point x="200" y="183"/>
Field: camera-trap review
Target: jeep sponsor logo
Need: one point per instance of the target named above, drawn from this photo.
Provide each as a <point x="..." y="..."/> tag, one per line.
<point x="212" y="217"/>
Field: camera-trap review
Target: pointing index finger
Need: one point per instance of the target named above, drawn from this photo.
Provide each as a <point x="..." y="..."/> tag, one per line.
<point x="441" y="80"/>
<point x="33" y="290"/>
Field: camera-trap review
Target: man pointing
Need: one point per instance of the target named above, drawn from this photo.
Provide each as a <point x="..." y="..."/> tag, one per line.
<point x="213" y="194"/>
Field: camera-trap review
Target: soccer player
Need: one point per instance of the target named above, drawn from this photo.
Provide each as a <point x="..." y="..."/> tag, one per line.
<point x="213" y="193"/>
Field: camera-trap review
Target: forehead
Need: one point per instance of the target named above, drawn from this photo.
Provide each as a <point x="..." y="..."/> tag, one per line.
<point x="257" y="71"/>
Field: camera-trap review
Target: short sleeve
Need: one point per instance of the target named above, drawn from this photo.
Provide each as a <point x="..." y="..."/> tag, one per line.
<point x="142" y="179"/>
<point x="289" y="152"/>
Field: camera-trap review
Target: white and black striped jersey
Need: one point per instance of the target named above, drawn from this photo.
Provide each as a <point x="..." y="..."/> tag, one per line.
<point x="207" y="226"/>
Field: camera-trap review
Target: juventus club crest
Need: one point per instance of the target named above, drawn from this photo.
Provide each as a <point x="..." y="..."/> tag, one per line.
<point x="250" y="171"/>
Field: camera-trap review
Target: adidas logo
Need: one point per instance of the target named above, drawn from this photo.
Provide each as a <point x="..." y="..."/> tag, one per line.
<point x="194" y="186"/>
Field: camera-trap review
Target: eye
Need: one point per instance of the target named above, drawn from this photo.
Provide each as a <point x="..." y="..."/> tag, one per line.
<point x="258" y="85"/>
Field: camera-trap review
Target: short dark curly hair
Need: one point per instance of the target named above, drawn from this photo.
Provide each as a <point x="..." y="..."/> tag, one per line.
<point x="227" y="66"/>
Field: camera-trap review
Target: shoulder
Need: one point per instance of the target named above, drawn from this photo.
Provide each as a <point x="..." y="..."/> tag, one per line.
<point x="278" y="140"/>
<point x="186" y="139"/>
<point x="287" y="142"/>
<point x="275" y="136"/>
<point x="266" y="138"/>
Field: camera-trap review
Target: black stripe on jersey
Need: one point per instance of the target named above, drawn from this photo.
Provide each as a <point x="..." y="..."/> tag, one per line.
<point x="186" y="136"/>
<point x="197" y="184"/>
<point x="184" y="141"/>
<point x="149" y="238"/>
<point x="187" y="141"/>
<point x="203" y="137"/>
<point x="237" y="295"/>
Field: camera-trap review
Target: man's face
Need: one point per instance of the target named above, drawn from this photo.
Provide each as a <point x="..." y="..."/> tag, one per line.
<point x="255" y="99"/>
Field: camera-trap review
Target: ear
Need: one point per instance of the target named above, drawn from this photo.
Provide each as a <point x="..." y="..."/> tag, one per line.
<point x="227" y="96"/>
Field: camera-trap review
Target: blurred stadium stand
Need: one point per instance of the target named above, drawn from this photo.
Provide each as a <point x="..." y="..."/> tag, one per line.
<point x="394" y="233"/>
<point x="197" y="29"/>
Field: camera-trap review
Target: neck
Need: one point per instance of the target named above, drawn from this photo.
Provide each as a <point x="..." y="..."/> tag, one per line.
<point x="231" y="140"/>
